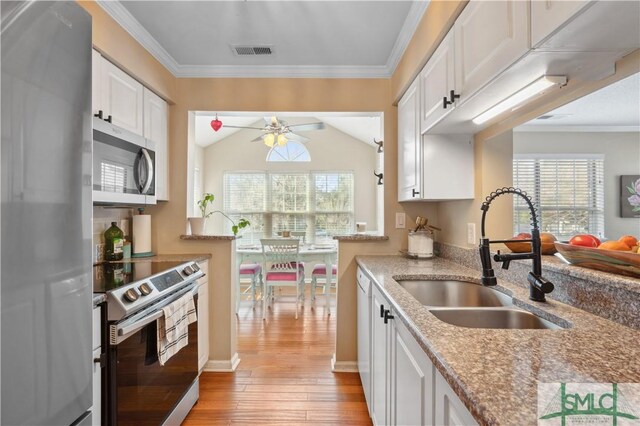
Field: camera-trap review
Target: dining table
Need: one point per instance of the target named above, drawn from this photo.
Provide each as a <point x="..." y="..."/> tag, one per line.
<point x="327" y="253"/>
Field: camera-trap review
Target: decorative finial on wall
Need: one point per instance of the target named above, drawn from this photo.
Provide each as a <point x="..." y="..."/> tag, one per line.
<point x="379" y="143"/>
<point x="379" y="176"/>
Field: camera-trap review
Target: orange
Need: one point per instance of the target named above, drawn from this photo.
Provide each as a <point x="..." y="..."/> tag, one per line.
<point x="629" y="240"/>
<point x="614" y="245"/>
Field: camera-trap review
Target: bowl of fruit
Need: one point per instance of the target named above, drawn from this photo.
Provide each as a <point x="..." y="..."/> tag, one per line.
<point x="620" y="256"/>
<point x="546" y="243"/>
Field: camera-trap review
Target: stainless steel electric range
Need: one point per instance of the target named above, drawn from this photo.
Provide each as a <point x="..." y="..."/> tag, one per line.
<point x="139" y="390"/>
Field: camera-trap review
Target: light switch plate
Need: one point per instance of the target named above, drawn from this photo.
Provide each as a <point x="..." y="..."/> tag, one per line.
<point x="471" y="233"/>
<point x="400" y="220"/>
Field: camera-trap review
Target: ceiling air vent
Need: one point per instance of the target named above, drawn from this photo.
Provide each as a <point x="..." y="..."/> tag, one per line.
<point x="252" y="50"/>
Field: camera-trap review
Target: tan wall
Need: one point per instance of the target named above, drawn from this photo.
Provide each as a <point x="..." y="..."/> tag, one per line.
<point x="324" y="95"/>
<point x="252" y="94"/>
<point x="304" y="95"/>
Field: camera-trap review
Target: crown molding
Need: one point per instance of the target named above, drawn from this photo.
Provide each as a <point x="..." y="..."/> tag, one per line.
<point x="281" y="71"/>
<point x="130" y="24"/>
<point x="576" y="129"/>
<point x="417" y="10"/>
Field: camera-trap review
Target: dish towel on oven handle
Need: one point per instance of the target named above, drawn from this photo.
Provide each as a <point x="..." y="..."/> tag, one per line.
<point x="173" y="327"/>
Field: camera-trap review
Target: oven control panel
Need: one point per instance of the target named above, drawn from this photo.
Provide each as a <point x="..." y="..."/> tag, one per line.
<point x="128" y="299"/>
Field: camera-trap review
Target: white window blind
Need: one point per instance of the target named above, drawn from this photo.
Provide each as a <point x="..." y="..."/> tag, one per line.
<point x="568" y="192"/>
<point x="318" y="203"/>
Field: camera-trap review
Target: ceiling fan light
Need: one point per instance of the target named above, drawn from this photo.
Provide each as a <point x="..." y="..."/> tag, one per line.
<point x="269" y="140"/>
<point x="282" y="140"/>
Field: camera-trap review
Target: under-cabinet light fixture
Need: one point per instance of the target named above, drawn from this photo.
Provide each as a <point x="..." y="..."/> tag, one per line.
<point x="533" y="89"/>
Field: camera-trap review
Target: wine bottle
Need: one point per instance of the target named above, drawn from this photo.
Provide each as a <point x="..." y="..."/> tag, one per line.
<point x="114" y="242"/>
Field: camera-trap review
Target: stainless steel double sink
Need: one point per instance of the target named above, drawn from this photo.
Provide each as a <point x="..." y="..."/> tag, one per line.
<point x="467" y="304"/>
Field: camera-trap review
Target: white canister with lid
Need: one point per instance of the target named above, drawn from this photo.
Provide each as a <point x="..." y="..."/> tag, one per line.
<point x="421" y="244"/>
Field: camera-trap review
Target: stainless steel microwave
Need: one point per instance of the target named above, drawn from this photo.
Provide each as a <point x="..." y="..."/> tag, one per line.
<point x="123" y="166"/>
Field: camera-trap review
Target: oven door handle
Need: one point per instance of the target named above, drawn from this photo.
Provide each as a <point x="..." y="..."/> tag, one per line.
<point x="122" y="331"/>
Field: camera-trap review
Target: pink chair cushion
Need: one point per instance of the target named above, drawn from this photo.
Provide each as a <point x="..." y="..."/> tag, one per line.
<point x="276" y="275"/>
<point x="250" y="269"/>
<point x="281" y="276"/>
<point x="320" y="269"/>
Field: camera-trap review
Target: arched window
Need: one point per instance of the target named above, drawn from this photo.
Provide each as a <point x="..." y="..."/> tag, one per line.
<point x="291" y="151"/>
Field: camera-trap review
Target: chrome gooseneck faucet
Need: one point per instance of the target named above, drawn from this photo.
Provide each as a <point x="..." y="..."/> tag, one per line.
<point x="538" y="286"/>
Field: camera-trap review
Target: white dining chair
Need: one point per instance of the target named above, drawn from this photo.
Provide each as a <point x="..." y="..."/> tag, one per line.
<point x="251" y="272"/>
<point x="320" y="273"/>
<point x="282" y="269"/>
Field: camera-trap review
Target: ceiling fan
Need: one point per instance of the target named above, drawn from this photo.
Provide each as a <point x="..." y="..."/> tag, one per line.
<point x="280" y="132"/>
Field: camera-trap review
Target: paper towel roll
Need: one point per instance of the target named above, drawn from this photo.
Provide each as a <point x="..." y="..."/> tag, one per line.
<point x="141" y="234"/>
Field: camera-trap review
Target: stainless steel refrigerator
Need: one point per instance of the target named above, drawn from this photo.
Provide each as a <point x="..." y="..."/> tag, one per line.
<point x="45" y="216"/>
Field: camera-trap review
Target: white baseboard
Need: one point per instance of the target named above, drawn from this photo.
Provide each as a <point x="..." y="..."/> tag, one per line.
<point x="222" y="366"/>
<point x="343" y="366"/>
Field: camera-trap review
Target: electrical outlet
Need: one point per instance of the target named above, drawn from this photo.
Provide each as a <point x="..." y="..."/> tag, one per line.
<point x="471" y="233"/>
<point x="400" y="220"/>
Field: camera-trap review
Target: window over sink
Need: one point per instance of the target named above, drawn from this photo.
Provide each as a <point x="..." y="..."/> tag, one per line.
<point x="568" y="192"/>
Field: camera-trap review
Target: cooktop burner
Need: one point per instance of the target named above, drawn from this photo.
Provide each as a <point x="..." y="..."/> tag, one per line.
<point x="132" y="286"/>
<point x="111" y="275"/>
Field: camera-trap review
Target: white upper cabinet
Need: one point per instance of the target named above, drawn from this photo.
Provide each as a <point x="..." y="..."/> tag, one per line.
<point x="549" y="15"/>
<point x="155" y="129"/>
<point x="122" y="98"/>
<point x="123" y="101"/>
<point x="448" y="172"/>
<point x="489" y="37"/>
<point x="437" y="81"/>
<point x="409" y="152"/>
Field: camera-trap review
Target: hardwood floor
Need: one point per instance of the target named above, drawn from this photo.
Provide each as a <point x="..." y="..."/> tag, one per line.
<point x="284" y="376"/>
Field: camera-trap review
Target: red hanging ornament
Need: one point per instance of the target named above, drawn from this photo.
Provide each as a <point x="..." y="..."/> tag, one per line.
<point x="216" y="124"/>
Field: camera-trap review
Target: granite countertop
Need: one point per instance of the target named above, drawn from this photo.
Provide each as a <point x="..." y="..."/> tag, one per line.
<point x="209" y="237"/>
<point x="98" y="298"/>
<point x="496" y="372"/>
<point x="361" y="237"/>
<point x="168" y="258"/>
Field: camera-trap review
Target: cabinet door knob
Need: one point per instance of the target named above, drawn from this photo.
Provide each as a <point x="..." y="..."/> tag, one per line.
<point x="99" y="114"/>
<point x="108" y="119"/>
<point x="453" y="96"/>
<point x="414" y="192"/>
<point x="445" y="102"/>
<point x="382" y="311"/>
<point x="387" y="316"/>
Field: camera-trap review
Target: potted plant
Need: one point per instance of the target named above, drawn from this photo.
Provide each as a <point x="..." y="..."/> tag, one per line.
<point x="197" y="224"/>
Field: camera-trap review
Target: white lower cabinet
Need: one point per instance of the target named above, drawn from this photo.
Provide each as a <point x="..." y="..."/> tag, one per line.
<point x="449" y="410"/>
<point x="203" y="316"/>
<point x="405" y="387"/>
<point x="364" y="333"/>
<point x="380" y="383"/>
<point x="412" y="372"/>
